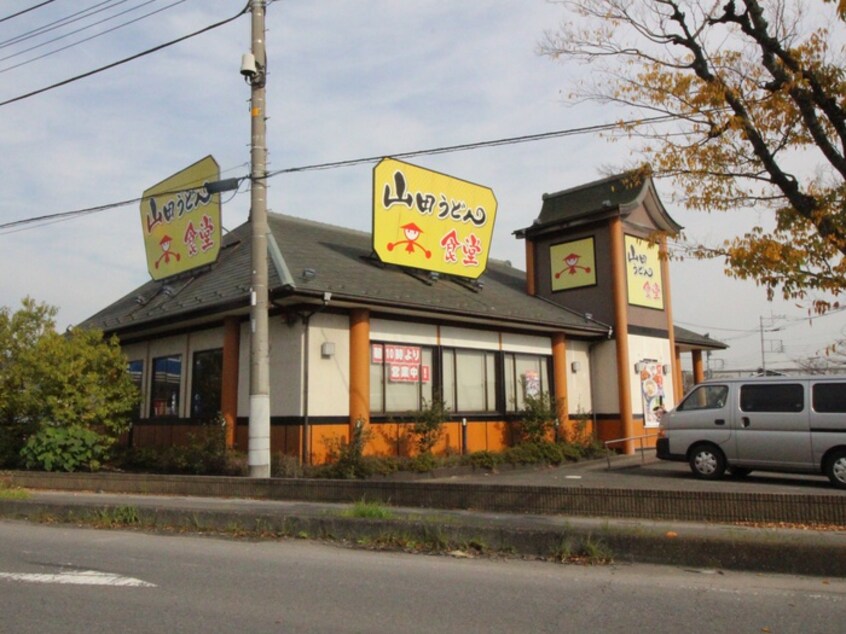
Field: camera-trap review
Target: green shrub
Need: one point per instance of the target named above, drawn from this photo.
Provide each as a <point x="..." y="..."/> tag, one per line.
<point x="346" y="457"/>
<point x="483" y="459"/>
<point x="428" y="425"/>
<point x="536" y="418"/>
<point x="69" y="448"/>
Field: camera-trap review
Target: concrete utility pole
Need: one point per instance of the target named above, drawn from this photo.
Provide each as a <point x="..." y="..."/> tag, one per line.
<point x="258" y="446"/>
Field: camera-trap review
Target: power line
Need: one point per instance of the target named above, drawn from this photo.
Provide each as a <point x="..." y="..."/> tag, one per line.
<point x="527" y="138"/>
<point x="69" y="19"/>
<point x="126" y="59"/>
<point x="87" y="39"/>
<point x="32" y="8"/>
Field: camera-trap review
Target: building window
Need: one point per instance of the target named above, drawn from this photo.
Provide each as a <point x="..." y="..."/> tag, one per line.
<point x="136" y="373"/>
<point x="164" y="390"/>
<point x="400" y="377"/>
<point x="705" y="397"/>
<point x="206" y="382"/>
<point x="469" y="380"/>
<point x="525" y="375"/>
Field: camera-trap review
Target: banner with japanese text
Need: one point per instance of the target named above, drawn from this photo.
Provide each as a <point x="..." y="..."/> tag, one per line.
<point x="430" y="221"/>
<point x="181" y="221"/>
<point x="643" y="273"/>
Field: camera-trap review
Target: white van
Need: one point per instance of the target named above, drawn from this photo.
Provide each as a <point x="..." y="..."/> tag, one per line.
<point x="782" y="423"/>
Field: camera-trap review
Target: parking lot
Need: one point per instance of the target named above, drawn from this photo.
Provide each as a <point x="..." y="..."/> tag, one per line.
<point x="649" y="473"/>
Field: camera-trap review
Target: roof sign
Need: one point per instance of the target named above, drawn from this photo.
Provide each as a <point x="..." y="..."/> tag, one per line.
<point x="181" y="221"/>
<point x="427" y="220"/>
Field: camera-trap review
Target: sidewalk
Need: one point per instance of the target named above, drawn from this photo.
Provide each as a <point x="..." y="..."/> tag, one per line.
<point x="554" y="536"/>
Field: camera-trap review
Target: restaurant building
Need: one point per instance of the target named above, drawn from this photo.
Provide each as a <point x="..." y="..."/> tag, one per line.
<point x="355" y="339"/>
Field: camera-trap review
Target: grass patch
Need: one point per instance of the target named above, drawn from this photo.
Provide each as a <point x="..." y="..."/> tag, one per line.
<point x="590" y="551"/>
<point x="369" y="510"/>
<point x="9" y="492"/>
<point x="118" y="517"/>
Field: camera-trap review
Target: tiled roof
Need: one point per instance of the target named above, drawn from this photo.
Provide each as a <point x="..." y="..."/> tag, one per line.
<point x="317" y="258"/>
<point x="605" y="198"/>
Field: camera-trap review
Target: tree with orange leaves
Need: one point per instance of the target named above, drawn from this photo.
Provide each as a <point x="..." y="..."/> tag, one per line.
<point x="753" y="99"/>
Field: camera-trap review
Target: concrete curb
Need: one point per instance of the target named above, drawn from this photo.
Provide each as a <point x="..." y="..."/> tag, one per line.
<point x="710" y="506"/>
<point x="559" y="538"/>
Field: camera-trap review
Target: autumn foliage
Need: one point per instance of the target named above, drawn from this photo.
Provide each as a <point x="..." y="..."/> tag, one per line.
<point x="743" y="107"/>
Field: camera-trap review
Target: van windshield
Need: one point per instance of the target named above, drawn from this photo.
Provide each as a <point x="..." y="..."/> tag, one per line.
<point x="705" y="397"/>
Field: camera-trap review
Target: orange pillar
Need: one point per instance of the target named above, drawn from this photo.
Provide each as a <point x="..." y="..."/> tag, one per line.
<point x="229" y="386"/>
<point x="675" y="366"/>
<point x="559" y="377"/>
<point x="698" y="368"/>
<point x="621" y="328"/>
<point x="359" y="366"/>
<point x="530" y="268"/>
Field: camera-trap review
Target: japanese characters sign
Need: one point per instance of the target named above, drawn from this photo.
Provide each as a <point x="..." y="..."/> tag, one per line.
<point x="643" y="273"/>
<point x="404" y="363"/>
<point x="573" y="264"/>
<point x="181" y="221"/>
<point x="427" y="220"/>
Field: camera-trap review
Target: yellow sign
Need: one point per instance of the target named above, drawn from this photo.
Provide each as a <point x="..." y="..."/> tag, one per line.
<point x="643" y="273"/>
<point x="181" y="221"/>
<point x="573" y="264"/>
<point x="427" y="220"/>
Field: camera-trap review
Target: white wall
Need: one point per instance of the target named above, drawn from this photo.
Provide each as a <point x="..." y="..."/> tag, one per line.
<point x="466" y="338"/>
<point x="606" y="398"/>
<point x="329" y="377"/>
<point x="579" y="383"/>
<point x="403" y="332"/>
<point x="526" y="344"/>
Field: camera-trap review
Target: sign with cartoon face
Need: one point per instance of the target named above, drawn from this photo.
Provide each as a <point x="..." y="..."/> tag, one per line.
<point x="181" y="221"/>
<point x="427" y="220"/>
<point x="573" y="264"/>
<point x="643" y="273"/>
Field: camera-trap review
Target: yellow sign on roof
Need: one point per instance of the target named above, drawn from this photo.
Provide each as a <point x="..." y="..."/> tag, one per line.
<point x="181" y="221"/>
<point x="427" y="220"/>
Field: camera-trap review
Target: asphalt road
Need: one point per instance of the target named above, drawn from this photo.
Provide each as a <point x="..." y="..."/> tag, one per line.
<point x="55" y="579"/>
<point x="652" y="474"/>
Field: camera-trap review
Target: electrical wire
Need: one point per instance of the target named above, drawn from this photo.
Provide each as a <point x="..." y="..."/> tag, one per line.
<point x="56" y="24"/>
<point x="528" y="138"/>
<point x="347" y="163"/>
<point x="32" y="8"/>
<point x="126" y="59"/>
<point x="86" y="39"/>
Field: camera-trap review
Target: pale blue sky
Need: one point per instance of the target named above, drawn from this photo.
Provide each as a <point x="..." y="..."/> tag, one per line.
<point x="348" y="79"/>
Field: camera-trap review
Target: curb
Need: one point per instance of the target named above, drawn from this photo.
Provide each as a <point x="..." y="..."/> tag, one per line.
<point x="710" y="506"/>
<point x="561" y="539"/>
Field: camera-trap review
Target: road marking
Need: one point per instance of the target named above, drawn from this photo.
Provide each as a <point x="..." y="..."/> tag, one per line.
<point x="572" y="477"/>
<point x="82" y="578"/>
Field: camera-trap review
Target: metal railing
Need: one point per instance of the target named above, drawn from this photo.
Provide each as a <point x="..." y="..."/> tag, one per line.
<point x="619" y="440"/>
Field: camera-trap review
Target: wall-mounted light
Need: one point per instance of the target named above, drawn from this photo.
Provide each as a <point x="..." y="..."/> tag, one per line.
<point x="575" y="367"/>
<point x="640" y="366"/>
<point x="327" y="349"/>
<point x="666" y="369"/>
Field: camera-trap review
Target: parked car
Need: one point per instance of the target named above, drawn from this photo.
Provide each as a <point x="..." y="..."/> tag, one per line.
<point x="791" y="424"/>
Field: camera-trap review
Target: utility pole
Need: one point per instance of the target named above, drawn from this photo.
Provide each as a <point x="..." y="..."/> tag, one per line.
<point x="254" y="69"/>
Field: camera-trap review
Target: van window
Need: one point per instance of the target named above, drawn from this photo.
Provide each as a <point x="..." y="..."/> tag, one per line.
<point x="705" y="397"/>
<point x="777" y="397"/>
<point x="829" y="397"/>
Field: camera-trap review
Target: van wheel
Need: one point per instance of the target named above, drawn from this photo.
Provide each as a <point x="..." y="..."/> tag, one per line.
<point x="707" y="462"/>
<point x="835" y="468"/>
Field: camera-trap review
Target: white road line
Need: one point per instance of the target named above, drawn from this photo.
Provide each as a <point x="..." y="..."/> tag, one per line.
<point x="83" y="578"/>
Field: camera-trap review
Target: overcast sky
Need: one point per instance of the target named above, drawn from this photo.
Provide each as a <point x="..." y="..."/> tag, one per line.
<point x="348" y="79"/>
